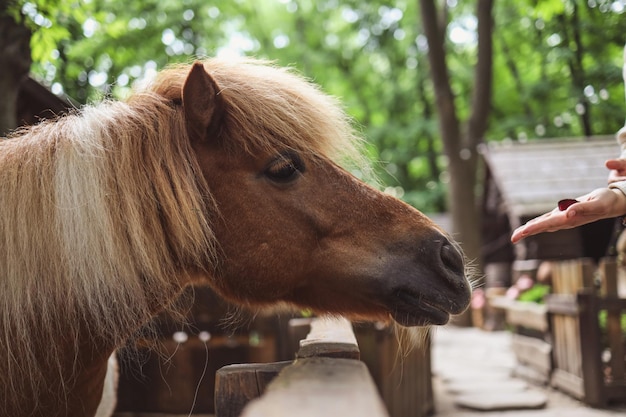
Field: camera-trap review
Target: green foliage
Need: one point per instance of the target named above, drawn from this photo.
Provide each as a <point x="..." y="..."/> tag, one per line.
<point x="535" y="294"/>
<point x="550" y="58"/>
<point x="602" y="320"/>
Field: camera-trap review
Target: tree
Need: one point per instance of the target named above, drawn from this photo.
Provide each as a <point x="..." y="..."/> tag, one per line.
<point x="557" y="69"/>
<point x="374" y="57"/>
<point x="461" y="142"/>
<point x="15" y="61"/>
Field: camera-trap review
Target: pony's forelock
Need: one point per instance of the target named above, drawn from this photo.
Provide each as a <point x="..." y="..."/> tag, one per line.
<point x="272" y="108"/>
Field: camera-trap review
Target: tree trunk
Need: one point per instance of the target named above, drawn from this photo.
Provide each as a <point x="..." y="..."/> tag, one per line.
<point x="15" y="62"/>
<point x="575" y="63"/>
<point x="461" y="147"/>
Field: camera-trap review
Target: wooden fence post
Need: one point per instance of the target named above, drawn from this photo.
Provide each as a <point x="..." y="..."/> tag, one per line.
<point x="236" y="385"/>
<point x="593" y="378"/>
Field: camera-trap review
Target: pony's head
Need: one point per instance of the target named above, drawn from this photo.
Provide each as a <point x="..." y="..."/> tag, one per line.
<point x="225" y="172"/>
<point x="292" y="225"/>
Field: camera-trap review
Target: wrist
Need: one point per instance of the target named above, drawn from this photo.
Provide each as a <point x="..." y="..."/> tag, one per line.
<point x="618" y="187"/>
<point x="619" y="205"/>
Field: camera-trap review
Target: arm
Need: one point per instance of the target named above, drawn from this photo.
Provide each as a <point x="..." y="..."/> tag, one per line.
<point x="602" y="203"/>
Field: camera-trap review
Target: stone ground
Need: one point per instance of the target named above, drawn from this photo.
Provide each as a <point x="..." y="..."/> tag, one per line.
<point x="473" y="369"/>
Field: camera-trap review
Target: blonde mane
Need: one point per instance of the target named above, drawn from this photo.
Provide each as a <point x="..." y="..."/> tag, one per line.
<point x="272" y="108"/>
<point x="101" y="210"/>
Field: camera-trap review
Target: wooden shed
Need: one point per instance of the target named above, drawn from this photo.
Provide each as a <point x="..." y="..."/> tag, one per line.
<point x="524" y="180"/>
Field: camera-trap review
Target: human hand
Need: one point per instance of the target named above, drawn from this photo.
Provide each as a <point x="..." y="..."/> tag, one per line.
<point x="618" y="170"/>
<point x="602" y="203"/>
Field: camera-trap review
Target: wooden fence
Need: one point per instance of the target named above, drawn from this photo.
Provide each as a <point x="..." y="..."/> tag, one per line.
<point x="326" y="379"/>
<point x="532" y="341"/>
<point x="576" y="341"/>
<point x="402" y="372"/>
<point x="190" y="375"/>
<point x="333" y="375"/>
<point x="589" y="340"/>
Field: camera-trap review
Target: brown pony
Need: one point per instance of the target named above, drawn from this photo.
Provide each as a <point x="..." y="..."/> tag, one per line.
<point x="224" y="173"/>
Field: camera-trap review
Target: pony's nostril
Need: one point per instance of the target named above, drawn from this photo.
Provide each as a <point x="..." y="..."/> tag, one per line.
<point x="452" y="258"/>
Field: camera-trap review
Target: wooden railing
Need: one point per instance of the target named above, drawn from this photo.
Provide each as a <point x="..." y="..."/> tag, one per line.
<point x="589" y="358"/>
<point x="575" y="341"/>
<point x="326" y="379"/>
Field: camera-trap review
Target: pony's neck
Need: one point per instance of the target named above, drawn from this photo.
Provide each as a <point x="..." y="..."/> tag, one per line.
<point x="88" y="381"/>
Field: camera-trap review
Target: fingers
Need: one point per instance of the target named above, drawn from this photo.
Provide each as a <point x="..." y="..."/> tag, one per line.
<point x="616" y="164"/>
<point x="548" y="222"/>
<point x="618" y="170"/>
<point x="599" y="204"/>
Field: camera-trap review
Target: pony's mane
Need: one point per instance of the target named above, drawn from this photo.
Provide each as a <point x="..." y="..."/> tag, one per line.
<point x="270" y="108"/>
<point x="102" y="208"/>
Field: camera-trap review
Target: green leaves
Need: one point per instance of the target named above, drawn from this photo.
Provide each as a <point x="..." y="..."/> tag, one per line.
<point x="371" y="54"/>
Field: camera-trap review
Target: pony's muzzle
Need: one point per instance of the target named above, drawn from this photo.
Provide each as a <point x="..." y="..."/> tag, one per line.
<point x="452" y="259"/>
<point x="453" y="272"/>
<point x="431" y="286"/>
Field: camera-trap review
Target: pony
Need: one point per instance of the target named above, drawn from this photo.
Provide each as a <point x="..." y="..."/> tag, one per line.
<point x="224" y="173"/>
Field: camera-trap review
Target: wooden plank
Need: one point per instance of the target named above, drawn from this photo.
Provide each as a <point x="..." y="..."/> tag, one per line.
<point x="612" y="303"/>
<point x="574" y="345"/>
<point x="562" y="304"/>
<point x="405" y="373"/>
<point x="297" y="329"/>
<point x="608" y="272"/>
<point x="559" y="343"/>
<point x="400" y="369"/>
<point x="314" y="387"/>
<point x="608" y="275"/>
<point x="592" y="372"/>
<point x="530" y="315"/>
<point x="588" y="273"/>
<point x="534" y="352"/>
<point x="331" y="338"/>
<point x="236" y="385"/>
<point x="571" y="275"/>
<point x="566" y="382"/>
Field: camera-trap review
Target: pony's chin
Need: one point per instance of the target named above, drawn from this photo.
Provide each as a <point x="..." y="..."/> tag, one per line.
<point x="414" y="319"/>
<point x="410" y="312"/>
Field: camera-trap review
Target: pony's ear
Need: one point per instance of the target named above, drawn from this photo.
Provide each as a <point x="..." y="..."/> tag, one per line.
<point x="202" y="103"/>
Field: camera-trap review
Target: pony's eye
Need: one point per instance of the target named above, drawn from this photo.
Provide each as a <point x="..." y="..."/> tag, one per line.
<point x="285" y="168"/>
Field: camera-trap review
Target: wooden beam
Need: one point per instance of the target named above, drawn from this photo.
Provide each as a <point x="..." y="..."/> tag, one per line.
<point x="330" y="338"/>
<point x="562" y="304"/>
<point x="236" y="385"/>
<point x="325" y="379"/>
<point x="314" y="387"/>
<point x="593" y="375"/>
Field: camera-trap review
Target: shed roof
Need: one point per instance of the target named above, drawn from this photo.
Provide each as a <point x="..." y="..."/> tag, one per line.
<point x="534" y="176"/>
<point x="36" y="102"/>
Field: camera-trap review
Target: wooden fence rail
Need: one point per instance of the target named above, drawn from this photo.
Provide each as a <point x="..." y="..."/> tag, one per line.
<point x="326" y="379"/>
